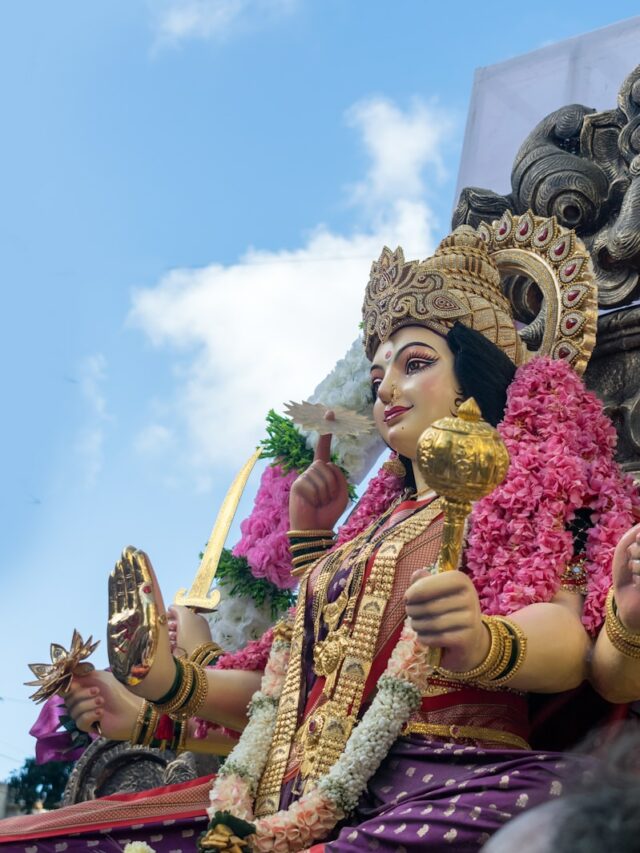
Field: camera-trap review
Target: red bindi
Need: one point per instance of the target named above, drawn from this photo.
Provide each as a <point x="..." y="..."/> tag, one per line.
<point x="387" y="355"/>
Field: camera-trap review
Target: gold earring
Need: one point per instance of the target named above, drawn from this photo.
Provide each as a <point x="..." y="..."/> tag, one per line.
<point x="394" y="466"/>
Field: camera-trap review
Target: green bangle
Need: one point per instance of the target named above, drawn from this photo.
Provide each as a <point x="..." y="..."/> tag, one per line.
<point x="173" y="690"/>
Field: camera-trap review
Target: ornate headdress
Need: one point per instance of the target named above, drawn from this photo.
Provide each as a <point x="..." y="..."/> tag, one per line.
<point x="475" y="277"/>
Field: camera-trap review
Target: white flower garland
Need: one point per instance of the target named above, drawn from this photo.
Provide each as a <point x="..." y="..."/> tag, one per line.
<point x="349" y="385"/>
<point x="316" y="813"/>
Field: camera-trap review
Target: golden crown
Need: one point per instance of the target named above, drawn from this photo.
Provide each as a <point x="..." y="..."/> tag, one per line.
<point x="464" y="281"/>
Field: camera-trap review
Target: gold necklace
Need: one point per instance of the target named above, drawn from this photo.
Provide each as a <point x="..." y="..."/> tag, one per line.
<point x="322" y="736"/>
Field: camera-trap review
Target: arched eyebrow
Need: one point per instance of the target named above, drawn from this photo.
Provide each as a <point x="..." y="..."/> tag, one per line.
<point x="402" y="349"/>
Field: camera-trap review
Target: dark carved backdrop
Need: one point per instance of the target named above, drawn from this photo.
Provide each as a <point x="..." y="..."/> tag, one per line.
<point x="583" y="167"/>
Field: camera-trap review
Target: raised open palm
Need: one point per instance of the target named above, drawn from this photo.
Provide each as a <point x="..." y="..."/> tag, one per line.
<point x="132" y="630"/>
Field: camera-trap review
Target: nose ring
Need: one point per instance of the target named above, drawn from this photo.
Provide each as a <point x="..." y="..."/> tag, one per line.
<point x="394" y="393"/>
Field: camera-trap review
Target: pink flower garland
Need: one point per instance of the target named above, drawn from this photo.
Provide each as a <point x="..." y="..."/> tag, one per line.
<point x="264" y="541"/>
<point x="561" y="447"/>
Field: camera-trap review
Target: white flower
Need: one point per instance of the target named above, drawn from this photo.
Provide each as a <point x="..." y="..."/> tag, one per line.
<point x="138" y="847"/>
<point x="349" y="385"/>
<point x="236" y="621"/>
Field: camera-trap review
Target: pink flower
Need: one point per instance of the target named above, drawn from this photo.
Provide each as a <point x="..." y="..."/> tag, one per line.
<point x="561" y="448"/>
<point x="264" y="543"/>
<point x="231" y="793"/>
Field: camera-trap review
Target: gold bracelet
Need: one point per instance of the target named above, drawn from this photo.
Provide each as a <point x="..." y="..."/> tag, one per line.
<point x="184" y="689"/>
<point x="311" y="534"/>
<point x="134" y="740"/>
<point x="312" y="556"/>
<point x="152" y="723"/>
<point x="315" y="543"/>
<point x="621" y="638"/>
<point x="145" y="727"/>
<point x="506" y="655"/>
<point x="517" y="652"/>
<point x="196" y="696"/>
<point x="205" y="653"/>
<point x="491" y="662"/>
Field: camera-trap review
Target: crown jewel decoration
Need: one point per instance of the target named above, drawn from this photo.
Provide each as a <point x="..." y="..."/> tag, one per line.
<point x="463" y="281"/>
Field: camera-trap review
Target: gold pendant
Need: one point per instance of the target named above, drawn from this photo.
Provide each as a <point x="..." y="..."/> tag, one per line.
<point x="331" y="613"/>
<point x="329" y="653"/>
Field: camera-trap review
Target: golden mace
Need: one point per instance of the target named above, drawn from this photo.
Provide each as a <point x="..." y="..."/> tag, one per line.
<point x="462" y="458"/>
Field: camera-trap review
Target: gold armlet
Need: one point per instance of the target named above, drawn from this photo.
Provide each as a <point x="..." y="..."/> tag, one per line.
<point x="621" y="638"/>
<point x="206" y="653"/>
<point x="506" y="654"/>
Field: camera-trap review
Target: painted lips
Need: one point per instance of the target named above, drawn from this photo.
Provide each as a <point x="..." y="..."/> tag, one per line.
<point x="394" y="413"/>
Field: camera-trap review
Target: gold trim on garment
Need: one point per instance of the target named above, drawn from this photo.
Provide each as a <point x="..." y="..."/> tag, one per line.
<point x="453" y="732"/>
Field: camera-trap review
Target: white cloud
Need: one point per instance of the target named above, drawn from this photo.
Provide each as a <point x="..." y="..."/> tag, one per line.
<point x="178" y="20"/>
<point x="90" y="441"/>
<point x="268" y="328"/>
<point x="153" y="439"/>
<point x="400" y="144"/>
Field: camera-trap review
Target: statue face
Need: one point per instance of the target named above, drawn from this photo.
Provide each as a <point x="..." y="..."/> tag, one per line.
<point x="413" y="385"/>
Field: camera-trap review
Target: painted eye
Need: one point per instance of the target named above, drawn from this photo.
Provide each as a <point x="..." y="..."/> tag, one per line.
<point x="374" y="389"/>
<point x="416" y="364"/>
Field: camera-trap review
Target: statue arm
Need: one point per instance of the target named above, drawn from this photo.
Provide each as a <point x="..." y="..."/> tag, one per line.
<point x="558" y="647"/>
<point x="445" y="613"/>
<point x="100" y="698"/>
<point x="614" y="674"/>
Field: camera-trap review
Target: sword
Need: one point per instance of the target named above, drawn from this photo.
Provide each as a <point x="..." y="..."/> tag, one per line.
<point x="198" y="597"/>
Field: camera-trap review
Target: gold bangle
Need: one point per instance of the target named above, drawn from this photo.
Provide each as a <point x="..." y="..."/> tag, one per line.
<point x="134" y="740"/>
<point x="145" y="727"/>
<point x="205" y="653"/>
<point x="621" y="638"/>
<point x="312" y="556"/>
<point x="196" y="696"/>
<point x="506" y="655"/>
<point x="316" y="543"/>
<point x="517" y="655"/>
<point x="490" y="663"/>
<point x="152" y="723"/>
<point x="183" y="692"/>
<point x="311" y="534"/>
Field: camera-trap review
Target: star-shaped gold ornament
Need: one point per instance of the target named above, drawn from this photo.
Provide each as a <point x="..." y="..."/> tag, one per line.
<point x="55" y="677"/>
<point x="312" y="416"/>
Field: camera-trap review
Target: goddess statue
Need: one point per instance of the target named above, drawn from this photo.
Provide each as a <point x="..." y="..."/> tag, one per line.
<point x="353" y="739"/>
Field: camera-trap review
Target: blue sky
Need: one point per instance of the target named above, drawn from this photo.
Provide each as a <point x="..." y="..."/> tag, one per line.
<point x="192" y="193"/>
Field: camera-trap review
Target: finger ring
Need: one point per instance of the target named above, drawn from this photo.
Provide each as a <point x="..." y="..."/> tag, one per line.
<point x="98" y="728"/>
<point x="162" y="619"/>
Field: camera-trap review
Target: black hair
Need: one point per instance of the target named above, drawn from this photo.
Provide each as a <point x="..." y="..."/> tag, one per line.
<point x="482" y="371"/>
